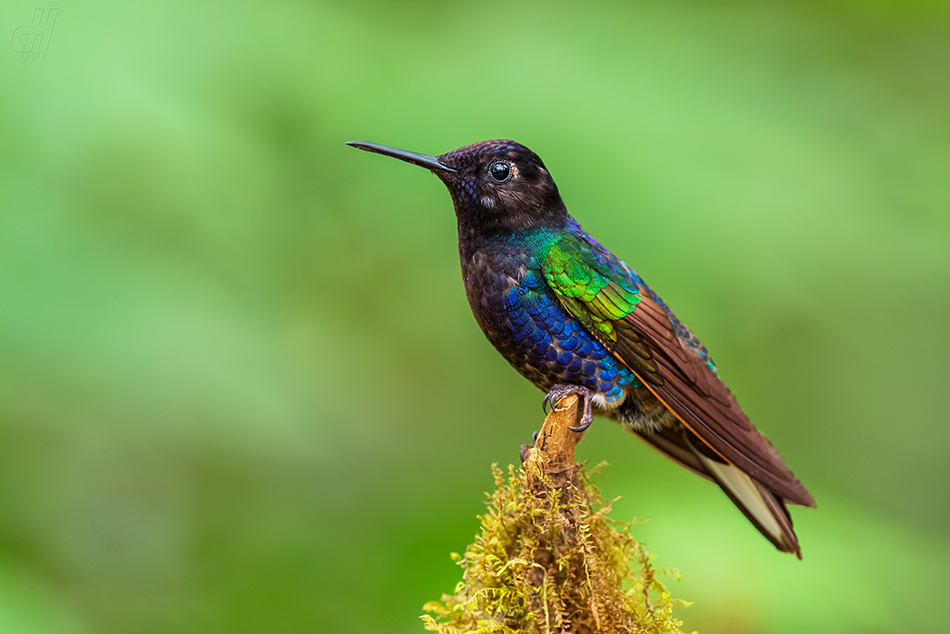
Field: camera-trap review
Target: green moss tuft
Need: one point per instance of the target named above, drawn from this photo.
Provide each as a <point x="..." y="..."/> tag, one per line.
<point x="549" y="560"/>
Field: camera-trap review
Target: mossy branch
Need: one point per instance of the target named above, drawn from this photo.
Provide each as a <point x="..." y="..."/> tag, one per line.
<point x="548" y="559"/>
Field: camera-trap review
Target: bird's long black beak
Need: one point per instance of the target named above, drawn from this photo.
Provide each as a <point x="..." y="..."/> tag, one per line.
<point x="422" y="160"/>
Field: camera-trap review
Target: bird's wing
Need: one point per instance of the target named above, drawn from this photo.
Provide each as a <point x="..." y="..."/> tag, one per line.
<point x="632" y="322"/>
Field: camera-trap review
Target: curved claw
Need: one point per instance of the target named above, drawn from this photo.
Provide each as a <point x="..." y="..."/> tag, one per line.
<point x="559" y="391"/>
<point x="586" y="419"/>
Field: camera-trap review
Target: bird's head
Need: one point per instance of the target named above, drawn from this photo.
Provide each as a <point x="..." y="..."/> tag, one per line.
<point x="498" y="187"/>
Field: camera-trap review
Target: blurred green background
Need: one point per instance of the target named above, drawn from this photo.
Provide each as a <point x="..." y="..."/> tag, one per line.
<point x="240" y="386"/>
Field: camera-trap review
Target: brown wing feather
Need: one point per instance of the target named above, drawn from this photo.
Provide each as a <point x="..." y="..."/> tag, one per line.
<point x="687" y="386"/>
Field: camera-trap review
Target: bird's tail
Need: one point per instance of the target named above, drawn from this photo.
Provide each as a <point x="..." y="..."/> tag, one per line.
<point x="764" y="509"/>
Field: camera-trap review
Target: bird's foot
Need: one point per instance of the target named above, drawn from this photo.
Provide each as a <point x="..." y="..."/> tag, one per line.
<point x="560" y="390"/>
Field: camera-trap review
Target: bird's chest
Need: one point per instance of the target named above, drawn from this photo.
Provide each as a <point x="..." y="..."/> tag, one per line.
<point x="524" y="320"/>
<point x="503" y="291"/>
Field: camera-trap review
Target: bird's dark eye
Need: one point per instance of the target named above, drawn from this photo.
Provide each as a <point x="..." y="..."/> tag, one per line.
<point x="500" y="171"/>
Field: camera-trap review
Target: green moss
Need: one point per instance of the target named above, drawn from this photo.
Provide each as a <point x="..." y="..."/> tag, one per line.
<point x="547" y="560"/>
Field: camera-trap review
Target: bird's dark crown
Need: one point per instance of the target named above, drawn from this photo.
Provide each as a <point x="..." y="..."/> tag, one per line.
<point x="500" y="188"/>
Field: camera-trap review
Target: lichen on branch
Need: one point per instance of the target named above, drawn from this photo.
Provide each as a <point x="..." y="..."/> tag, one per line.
<point x="548" y="559"/>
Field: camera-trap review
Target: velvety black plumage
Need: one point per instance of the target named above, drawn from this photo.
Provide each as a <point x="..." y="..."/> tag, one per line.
<point x="574" y="318"/>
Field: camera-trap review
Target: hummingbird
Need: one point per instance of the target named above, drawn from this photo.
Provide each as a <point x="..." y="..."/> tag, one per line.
<point x="573" y="318"/>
